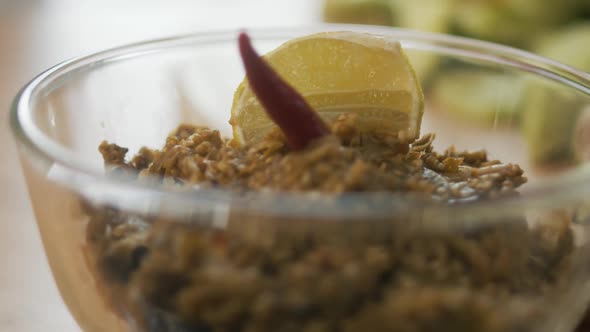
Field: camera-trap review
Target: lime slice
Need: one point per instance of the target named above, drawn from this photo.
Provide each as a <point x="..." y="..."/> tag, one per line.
<point x="339" y="72"/>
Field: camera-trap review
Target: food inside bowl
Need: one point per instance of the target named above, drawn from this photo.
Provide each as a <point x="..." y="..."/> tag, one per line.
<point x="255" y="272"/>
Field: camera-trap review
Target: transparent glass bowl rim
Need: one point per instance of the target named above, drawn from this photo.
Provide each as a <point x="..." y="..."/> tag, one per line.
<point x="551" y="191"/>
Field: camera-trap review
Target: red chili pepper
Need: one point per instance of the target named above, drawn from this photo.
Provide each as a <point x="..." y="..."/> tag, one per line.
<point x="283" y="104"/>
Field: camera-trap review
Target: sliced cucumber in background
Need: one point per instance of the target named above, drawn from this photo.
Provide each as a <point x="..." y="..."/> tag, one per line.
<point x="569" y="45"/>
<point x="423" y="15"/>
<point x="581" y="140"/>
<point x="551" y="118"/>
<point x="483" y="20"/>
<point x="548" y="123"/>
<point x="512" y="22"/>
<point x="485" y="99"/>
<point x="546" y="12"/>
<point x="377" y="12"/>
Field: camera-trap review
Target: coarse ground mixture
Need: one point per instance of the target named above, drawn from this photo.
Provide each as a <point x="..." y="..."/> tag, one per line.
<point x="349" y="161"/>
<point x="336" y="277"/>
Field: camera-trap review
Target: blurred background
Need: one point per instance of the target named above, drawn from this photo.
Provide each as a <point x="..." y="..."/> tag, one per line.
<point x="521" y="23"/>
<point x="36" y="34"/>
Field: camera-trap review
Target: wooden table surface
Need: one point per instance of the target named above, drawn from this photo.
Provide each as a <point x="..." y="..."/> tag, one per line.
<point x="35" y="34"/>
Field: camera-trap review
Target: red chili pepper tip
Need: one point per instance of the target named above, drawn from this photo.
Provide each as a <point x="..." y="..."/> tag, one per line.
<point x="283" y="104"/>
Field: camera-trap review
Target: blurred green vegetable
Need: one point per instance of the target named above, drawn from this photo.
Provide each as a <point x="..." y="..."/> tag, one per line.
<point x="582" y="136"/>
<point x="569" y="45"/>
<point x="511" y="22"/>
<point x="548" y="123"/>
<point x="377" y="12"/>
<point x="423" y="15"/>
<point x="552" y="114"/>
<point x="482" y="98"/>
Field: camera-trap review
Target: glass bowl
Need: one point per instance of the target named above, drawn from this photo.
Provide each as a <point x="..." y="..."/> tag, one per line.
<point x="131" y="256"/>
